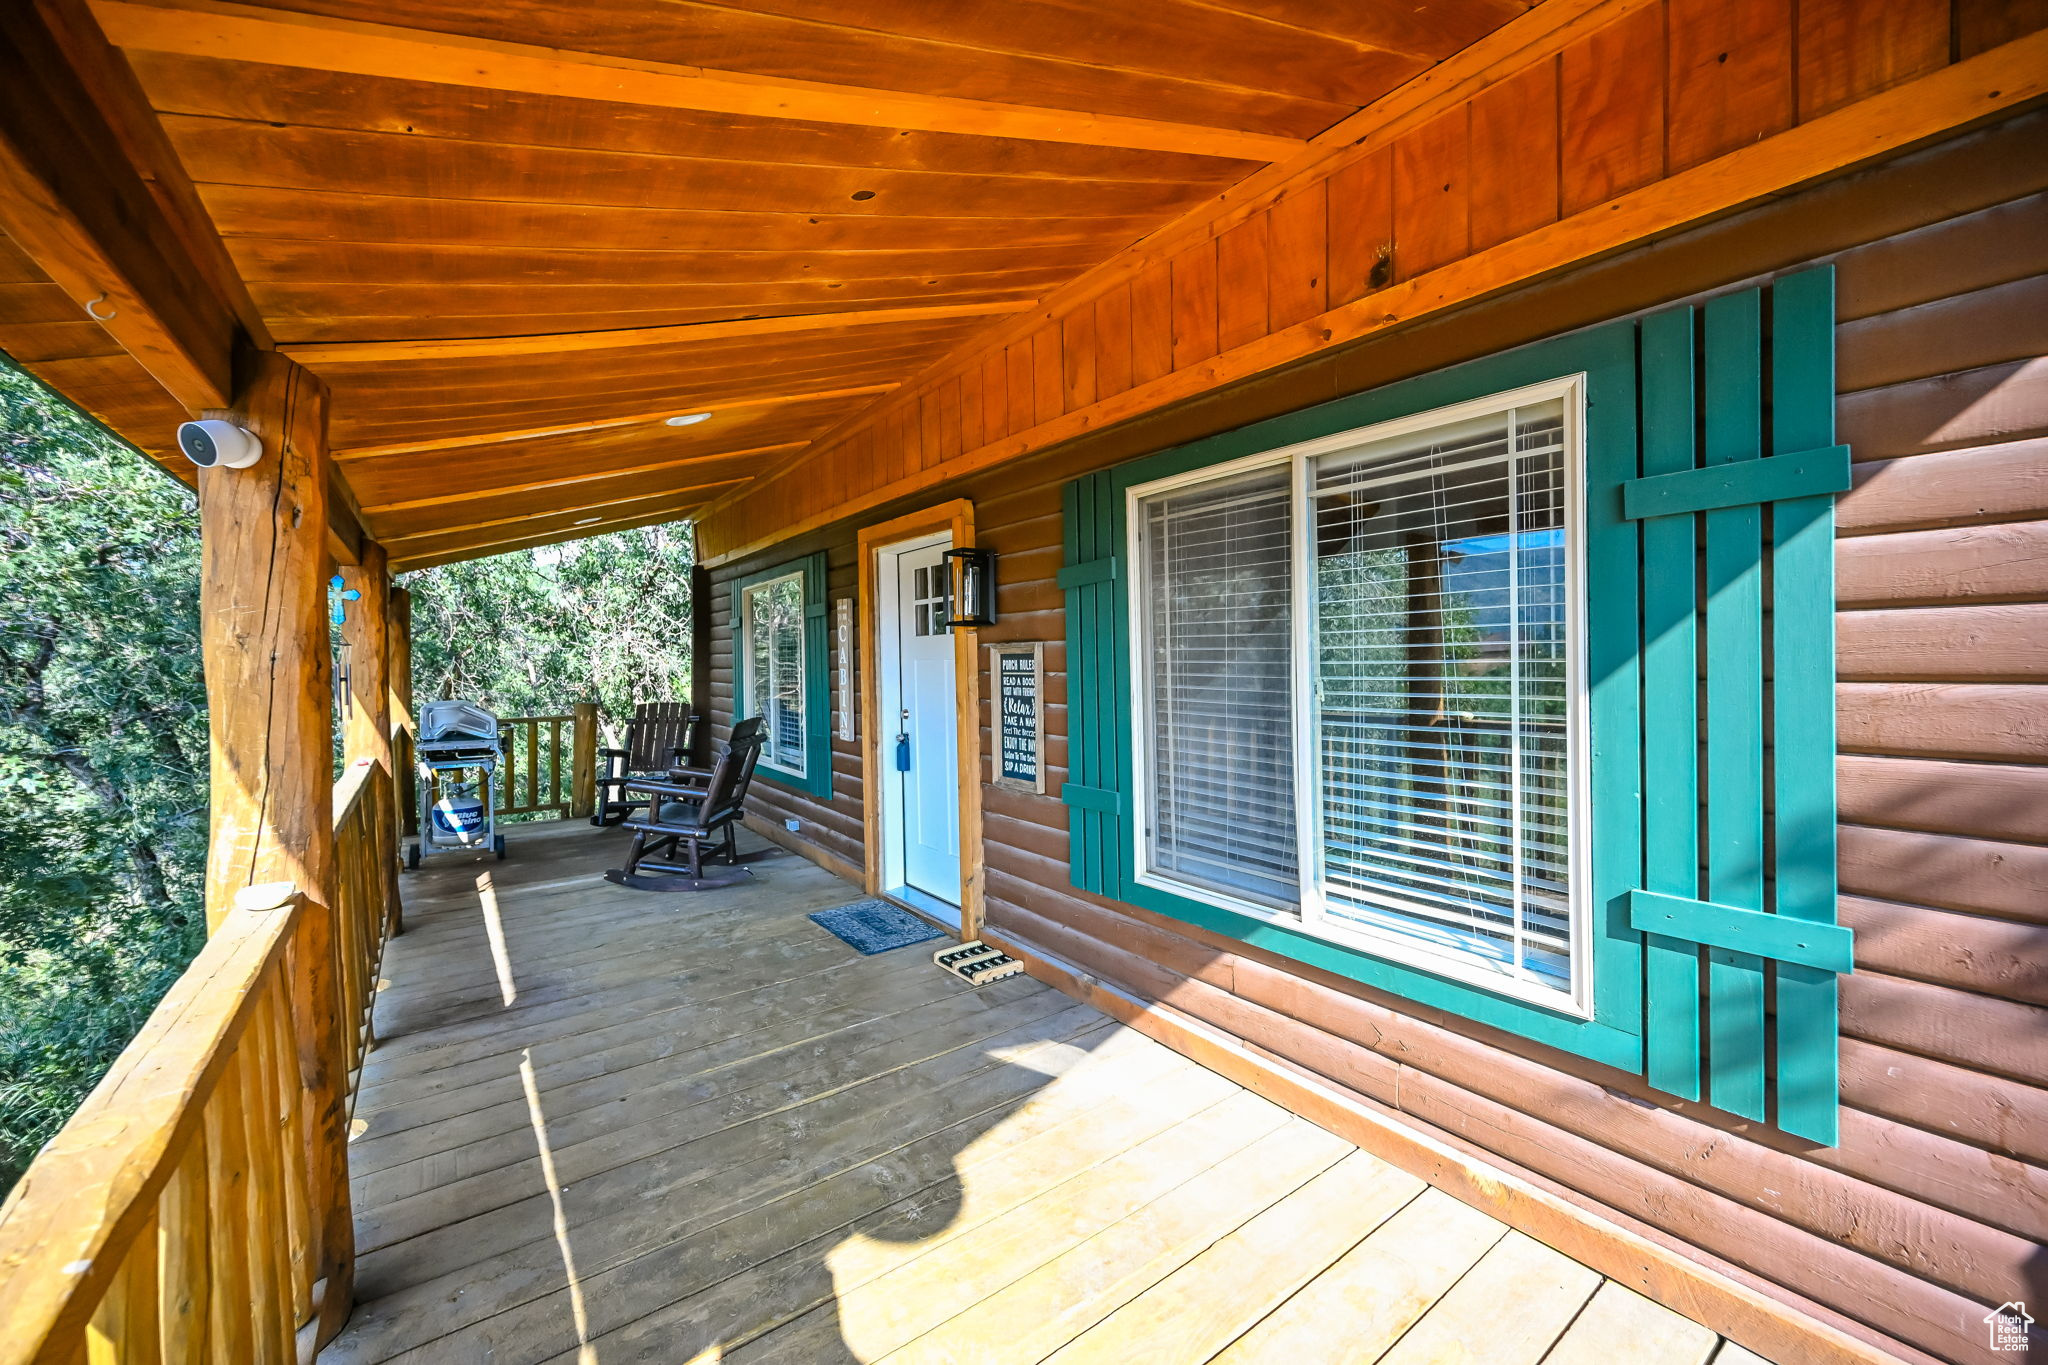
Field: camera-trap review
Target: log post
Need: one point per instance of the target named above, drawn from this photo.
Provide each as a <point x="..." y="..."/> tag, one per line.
<point x="583" y="768"/>
<point x="366" y="625"/>
<point x="700" y="662"/>
<point x="405" y="728"/>
<point x="264" y="640"/>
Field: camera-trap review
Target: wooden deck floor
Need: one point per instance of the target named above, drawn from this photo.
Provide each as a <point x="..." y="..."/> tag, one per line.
<point x="613" y="1126"/>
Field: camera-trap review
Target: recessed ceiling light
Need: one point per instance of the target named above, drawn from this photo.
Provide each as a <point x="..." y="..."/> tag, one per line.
<point x="689" y="419"/>
<point x="589" y="521"/>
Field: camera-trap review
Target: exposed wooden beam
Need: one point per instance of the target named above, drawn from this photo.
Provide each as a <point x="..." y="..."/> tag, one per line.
<point x="199" y="28"/>
<point x="345" y="535"/>
<point x="499" y="547"/>
<point x="120" y="97"/>
<point x="685" y="499"/>
<point x="73" y="197"/>
<point x="555" y="343"/>
<point x="528" y="433"/>
<point x="568" y="480"/>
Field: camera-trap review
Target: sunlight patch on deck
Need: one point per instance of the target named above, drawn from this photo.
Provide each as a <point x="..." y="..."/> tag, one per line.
<point x="584" y="1354"/>
<point x="494" y="930"/>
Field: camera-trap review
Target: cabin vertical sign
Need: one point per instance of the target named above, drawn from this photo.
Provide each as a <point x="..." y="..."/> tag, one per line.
<point x="1018" y="673"/>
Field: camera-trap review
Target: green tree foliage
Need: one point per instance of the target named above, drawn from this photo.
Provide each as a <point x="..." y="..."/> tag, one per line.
<point x="604" y="620"/>
<point x="102" y="754"/>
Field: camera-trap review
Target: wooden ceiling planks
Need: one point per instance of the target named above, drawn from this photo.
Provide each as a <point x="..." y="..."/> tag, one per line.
<point x="530" y="532"/>
<point x="569" y="492"/>
<point x="398" y="479"/>
<point x="539" y="228"/>
<point x="1168" y="62"/>
<point x="387" y="403"/>
<point x="215" y="87"/>
<point x="320" y="216"/>
<point x="294" y="157"/>
<point x="472" y="438"/>
<point x="301" y="264"/>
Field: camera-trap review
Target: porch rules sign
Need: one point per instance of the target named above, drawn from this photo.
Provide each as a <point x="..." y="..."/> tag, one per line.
<point x="1018" y="672"/>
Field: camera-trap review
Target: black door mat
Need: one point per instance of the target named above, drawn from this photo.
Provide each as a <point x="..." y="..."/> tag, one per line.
<point x="875" y="926"/>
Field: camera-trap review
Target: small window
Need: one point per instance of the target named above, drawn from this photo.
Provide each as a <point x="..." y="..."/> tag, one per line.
<point x="1356" y="664"/>
<point x="928" y="600"/>
<point x="780" y="649"/>
<point x="775" y="668"/>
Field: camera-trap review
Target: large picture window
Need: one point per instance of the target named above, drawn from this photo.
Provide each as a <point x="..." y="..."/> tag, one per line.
<point x="1356" y="661"/>
<point x="779" y="649"/>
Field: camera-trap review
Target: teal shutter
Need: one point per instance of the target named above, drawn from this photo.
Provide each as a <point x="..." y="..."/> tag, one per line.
<point x="817" y="680"/>
<point x="1738" y="890"/>
<point x="1096" y="682"/>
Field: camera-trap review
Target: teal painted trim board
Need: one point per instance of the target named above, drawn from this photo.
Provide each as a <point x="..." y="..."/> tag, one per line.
<point x="1732" y="432"/>
<point x="1771" y="479"/>
<point x="1671" y="789"/>
<point x="1092" y="798"/>
<point x="1080" y="575"/>
<point x="1782" y="938"/>
<point x="1803" y="702"/>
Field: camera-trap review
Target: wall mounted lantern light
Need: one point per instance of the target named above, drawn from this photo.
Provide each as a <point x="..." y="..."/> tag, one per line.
<point x="971" y="600"/>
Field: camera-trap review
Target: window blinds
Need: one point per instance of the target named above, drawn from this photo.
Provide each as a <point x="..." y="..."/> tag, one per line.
<point x="1441" y="677"/>
<point x="1217" y="661"/>
<point x="1435" y="646"/>
<point x="775" y="669"/>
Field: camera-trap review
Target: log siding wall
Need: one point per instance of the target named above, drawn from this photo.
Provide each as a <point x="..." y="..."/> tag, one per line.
<point x="1935" y="1204"/>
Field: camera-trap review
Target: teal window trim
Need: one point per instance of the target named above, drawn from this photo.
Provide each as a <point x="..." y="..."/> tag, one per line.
<point x="816" y="778"/>
<point x="1606" y="357"/>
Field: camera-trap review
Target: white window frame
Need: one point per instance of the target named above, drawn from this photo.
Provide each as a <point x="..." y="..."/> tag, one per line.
<point x="1402" y="944"/>
<point x="803" y="681"/>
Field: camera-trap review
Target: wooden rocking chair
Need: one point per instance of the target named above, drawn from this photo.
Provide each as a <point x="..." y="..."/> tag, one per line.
<point x="692" y="817"/>
<point x="660" y="736"/>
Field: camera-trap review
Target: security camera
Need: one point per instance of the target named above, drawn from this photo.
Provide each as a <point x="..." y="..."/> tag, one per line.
<point x="217" y="444"/>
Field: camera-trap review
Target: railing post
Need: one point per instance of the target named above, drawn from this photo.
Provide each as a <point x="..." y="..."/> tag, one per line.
<point x="263" y="615"/>
<point x="366" y="624"/>
<point x="404" y="728"/>
<point x="583" y="782"/>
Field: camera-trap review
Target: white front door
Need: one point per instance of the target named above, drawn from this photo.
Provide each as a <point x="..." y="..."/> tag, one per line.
<point x="918" y="727"/>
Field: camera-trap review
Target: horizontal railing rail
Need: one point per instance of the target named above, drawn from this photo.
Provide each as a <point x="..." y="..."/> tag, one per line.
<point x="184" y="1212"/>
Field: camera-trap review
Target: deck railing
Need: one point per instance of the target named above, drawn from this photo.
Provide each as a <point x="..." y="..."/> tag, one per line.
<point x="187" y="1210"/>
<point x="365" y="906"/>
<point x="549" y="765"/>
<point x="535" y="774"/>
